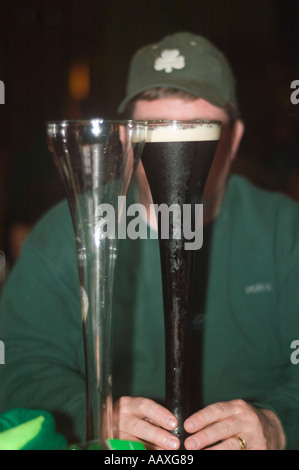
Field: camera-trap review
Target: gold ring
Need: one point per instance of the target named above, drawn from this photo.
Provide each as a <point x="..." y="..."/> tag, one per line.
<point x="242" y="442"/>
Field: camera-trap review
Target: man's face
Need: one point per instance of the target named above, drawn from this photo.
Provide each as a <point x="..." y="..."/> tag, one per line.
<point x="180" y="109"/>
<point x="177" y="109"/>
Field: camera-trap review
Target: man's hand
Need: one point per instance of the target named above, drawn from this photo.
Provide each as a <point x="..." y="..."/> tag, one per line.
<point x="146" y="421"/>
<point x="217" y="427"/>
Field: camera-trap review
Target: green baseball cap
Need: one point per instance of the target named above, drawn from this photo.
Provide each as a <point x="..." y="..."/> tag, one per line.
<point x="186" y="62"/>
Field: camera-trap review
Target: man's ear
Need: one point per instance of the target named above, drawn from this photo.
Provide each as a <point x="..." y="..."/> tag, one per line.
<point x="237" y="134"/>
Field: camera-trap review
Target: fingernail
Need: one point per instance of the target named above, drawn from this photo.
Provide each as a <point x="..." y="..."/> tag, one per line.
<point x="191" y="425"/>
<point x="172" y="443"/>
<point x="192" y="443"/>
<point x="171" y="423"/>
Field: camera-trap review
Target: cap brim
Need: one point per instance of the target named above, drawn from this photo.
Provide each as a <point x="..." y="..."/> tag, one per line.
<point x="208" y="94"/>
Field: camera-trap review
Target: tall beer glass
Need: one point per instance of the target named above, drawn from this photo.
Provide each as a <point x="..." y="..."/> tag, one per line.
<point x="177" y="157"/>
<point x="96" y="160"/>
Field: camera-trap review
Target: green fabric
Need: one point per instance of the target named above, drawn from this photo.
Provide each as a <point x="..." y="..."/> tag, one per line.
<point x="251" y="315"/>
<point x="183" y="61"/>
<point x="115" y="444"/>
<point x="22" y="429"/>
<point x="110" y="444"/>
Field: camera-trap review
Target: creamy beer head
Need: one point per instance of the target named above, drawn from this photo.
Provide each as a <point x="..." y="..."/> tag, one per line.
<point x="183" y="131"/>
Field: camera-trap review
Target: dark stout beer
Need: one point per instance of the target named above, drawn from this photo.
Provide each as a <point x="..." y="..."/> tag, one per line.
<point x="177" y="158"/>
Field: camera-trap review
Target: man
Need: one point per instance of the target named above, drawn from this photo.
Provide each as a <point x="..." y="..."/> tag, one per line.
<point x="249" y="384"/>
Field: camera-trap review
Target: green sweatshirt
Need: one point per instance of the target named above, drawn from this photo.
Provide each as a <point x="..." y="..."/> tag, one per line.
<point x="250" y="315"/>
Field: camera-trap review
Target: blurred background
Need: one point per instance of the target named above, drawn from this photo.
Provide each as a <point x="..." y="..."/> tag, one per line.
<point x="68" y="59"/>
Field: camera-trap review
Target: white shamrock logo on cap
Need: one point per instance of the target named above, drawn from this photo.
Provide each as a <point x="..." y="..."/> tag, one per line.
<point x="170" y="59"/>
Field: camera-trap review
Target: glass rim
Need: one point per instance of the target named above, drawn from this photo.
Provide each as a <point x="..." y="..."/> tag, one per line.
<point x="162" y="122"/>
<point x="87" y="121"/>
<point x="166" y="122"/>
